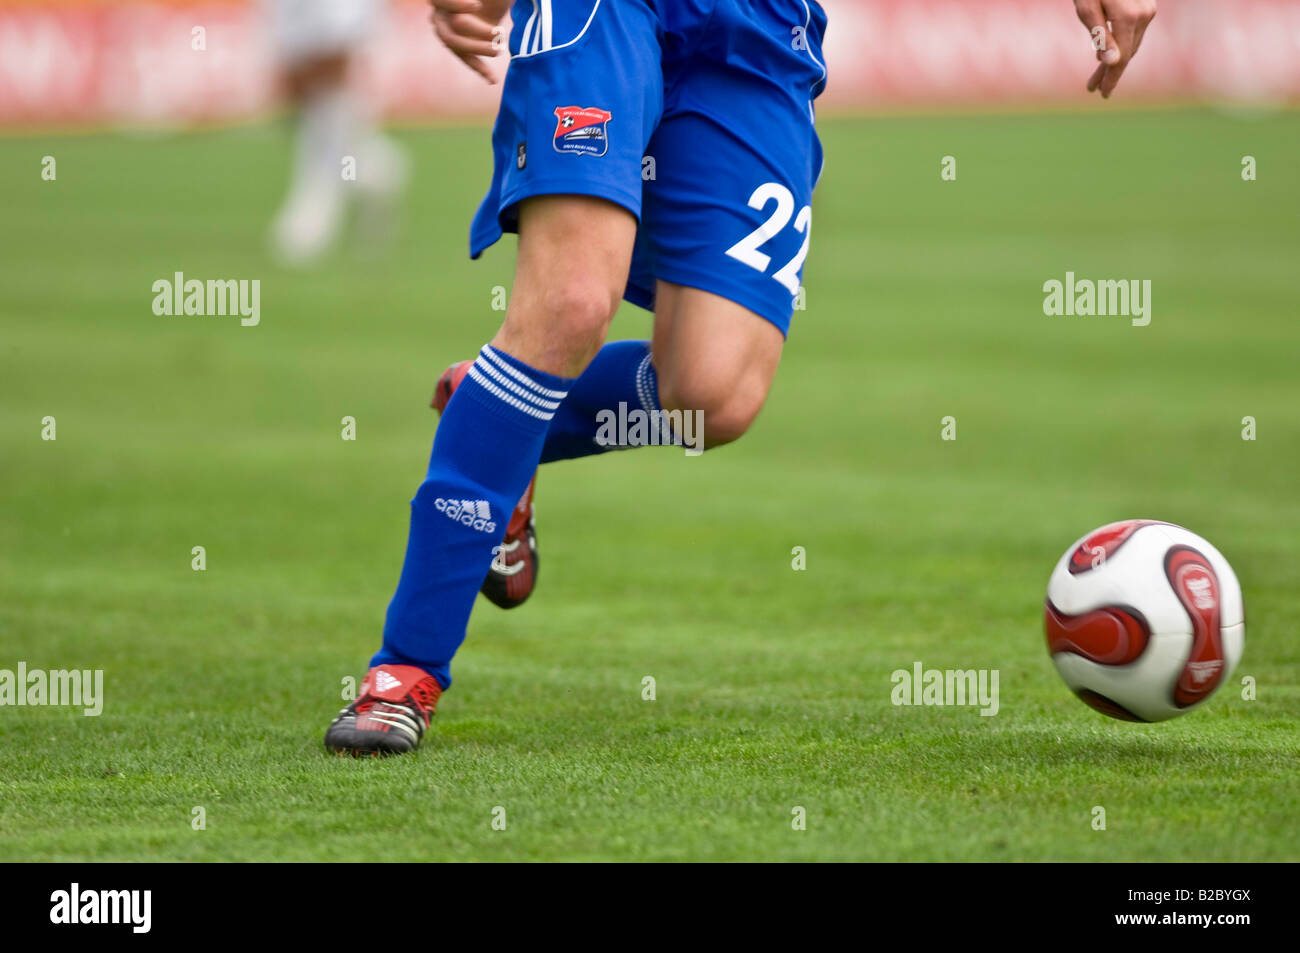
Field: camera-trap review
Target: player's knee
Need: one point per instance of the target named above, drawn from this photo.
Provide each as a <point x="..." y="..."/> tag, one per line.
<point x="579" y="312"/>
<point x="561" y="326"/>
<point x="726" y="411"/>
<point x="729" y="421"/>
<point x="574" y="255"/>
<point x="578" y="317"/>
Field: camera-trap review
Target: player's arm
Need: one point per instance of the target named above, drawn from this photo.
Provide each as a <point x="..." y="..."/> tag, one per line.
<point x="1116" y="27"/>
<point x="470" y="29"/>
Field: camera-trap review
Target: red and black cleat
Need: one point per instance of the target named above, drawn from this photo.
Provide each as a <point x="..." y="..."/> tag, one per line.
<point x="390" y="715"/>
<point x="513" y="573"/>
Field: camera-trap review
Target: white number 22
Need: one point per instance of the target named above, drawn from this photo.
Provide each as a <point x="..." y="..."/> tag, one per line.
<point x="747" y="249"/>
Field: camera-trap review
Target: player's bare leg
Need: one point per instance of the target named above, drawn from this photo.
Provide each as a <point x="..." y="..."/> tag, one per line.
<point x="573" y="259"/>
<point x="714" y="356"/>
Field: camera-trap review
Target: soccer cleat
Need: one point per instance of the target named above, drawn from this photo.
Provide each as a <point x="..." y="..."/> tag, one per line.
<point x="513" y="573"/>
<point x="390" y="715"/>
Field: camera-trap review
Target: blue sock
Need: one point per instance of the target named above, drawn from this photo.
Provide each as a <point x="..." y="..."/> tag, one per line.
<point x="620" y="373"/>
<point x="488" y="444"/>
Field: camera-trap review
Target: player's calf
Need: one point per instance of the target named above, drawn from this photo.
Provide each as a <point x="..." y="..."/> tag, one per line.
<point x="513" y="573"/>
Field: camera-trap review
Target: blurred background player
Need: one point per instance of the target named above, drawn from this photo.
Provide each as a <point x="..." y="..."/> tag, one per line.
<point x="339" y="154"/>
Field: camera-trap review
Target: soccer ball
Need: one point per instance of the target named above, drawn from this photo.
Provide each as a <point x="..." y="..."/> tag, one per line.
<point x="1144" y="619"/>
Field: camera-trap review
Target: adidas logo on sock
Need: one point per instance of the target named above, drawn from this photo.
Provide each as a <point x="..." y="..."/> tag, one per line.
<point x="385" y="681"/>
<point x="475" y="514"/>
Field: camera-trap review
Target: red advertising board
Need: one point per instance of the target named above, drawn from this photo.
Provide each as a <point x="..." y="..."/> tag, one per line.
<point x="146" y="61"/>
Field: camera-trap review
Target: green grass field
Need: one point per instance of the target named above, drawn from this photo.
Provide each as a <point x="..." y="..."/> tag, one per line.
<point x="773" y="686"/>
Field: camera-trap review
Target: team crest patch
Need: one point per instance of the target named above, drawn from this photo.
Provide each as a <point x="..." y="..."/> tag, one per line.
<point x="581" y="131"/>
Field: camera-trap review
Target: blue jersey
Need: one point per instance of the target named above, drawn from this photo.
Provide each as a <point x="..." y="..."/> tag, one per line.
<point x="695" y="115"/>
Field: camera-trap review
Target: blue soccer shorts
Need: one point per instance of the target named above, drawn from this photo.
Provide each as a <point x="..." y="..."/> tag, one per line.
<point x="695" y="115"/>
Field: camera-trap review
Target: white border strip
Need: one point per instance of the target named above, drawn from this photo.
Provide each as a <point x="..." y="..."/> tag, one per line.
<point x="522" y="55"/>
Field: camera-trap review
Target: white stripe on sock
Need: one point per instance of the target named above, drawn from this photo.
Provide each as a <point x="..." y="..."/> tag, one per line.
<point x="643" y="385"/>
<point x="523" y="378"/>
<point x="487" y="368"/>
<point x="496" y="391"/>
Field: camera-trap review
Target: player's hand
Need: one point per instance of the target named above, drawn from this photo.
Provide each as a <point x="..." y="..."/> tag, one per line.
<point x="1116" y="27"/>
<point x="470" y="29"/>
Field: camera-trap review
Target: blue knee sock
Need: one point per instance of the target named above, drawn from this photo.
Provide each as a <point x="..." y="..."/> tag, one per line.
<point x="488" y="444"/>
<point x="620" y="373"/>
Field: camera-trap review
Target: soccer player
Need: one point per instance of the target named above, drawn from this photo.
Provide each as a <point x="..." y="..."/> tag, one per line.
<point x="317" y="42"/>
<point x="658" y="150"/>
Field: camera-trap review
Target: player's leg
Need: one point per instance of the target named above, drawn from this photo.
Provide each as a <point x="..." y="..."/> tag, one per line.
<point x="573" y="197"/>
<point x="726" y="221"/>
<point x="487" y="446"/>
<point x="583" y="94"/>
<point x="620" y="378"/>
<point x="713" y="356"/>
<point x="710" y="356"/>
<point x="558" y="296"/>
<point x="573" y="258"/>
<point x="727" y="251"/>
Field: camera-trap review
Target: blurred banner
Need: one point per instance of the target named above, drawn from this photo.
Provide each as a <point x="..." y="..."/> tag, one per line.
<point x="150" y="61"/>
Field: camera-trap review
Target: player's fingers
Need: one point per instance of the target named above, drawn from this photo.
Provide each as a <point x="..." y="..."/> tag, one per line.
<point x="464" y="24"/>
<point x="1142" y="25"/>
<point x="1109" y="81"/>
<point x="1091" y="16"/>
<point x="458" y="44"/>
<point x="1097" y="76"/>
<point x="1125" y="30"/>
<point x="1089" y="13"/>
<point x="1129" y="29"/>
<point x="456" y="6"/>
<point x="480" y="67"/>
<point x="461" y="45"/>
<point x="464" y="48"/>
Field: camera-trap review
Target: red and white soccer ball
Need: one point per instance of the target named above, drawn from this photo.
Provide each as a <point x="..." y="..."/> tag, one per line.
<point x="1144" y="619"/>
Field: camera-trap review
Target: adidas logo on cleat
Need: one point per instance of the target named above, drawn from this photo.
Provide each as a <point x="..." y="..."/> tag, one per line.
<point x="475" y="514"/>
<point x="384" y="682"/>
